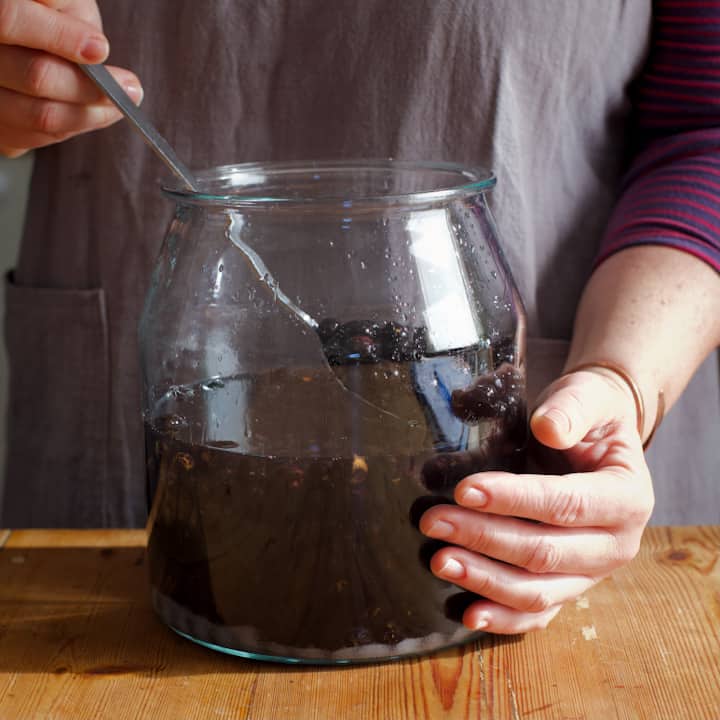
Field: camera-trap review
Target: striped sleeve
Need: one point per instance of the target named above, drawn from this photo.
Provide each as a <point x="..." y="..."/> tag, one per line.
<point x="671" y="194"/>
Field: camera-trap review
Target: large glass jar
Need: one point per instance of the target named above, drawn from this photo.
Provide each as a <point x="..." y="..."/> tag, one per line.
<point x="327" y="349"/>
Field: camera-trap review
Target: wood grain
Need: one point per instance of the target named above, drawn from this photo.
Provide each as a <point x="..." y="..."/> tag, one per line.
<point x="78" y="639"/>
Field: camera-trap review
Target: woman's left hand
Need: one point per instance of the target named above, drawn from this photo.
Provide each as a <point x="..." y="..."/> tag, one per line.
<point x="528" y="543"/>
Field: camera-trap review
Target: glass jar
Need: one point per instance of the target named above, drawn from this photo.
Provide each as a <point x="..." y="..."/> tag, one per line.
<point x="327" y="349"/>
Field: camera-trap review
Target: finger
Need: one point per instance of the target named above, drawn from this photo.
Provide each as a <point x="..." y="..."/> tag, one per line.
<point x="17" y="142"/>
<point x="39" y="74"/>
<point x="494" y="618"/>
<point x="611" y="498"/>
<point x="507" y="585"/>
<point x="536" y="547"/>
<point x="574" y="405"/>
<point x="49" y="117"/>
<point x="86" y="10"/>
<point x="31" y="24"/>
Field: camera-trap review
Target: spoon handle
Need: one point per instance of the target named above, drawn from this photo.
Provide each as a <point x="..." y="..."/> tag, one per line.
<point x="105" y="81"/>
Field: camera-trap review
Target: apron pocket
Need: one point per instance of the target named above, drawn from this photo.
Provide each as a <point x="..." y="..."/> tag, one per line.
<point x="57" y="343"/>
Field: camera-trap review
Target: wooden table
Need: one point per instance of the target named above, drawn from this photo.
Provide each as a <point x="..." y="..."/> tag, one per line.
<point x="78" y="639"/>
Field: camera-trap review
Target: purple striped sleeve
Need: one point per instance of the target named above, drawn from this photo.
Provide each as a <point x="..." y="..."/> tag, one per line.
<point x="671" y="194"/>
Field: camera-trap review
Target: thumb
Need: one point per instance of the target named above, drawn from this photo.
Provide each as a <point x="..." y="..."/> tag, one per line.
<point x="575" y="404"/>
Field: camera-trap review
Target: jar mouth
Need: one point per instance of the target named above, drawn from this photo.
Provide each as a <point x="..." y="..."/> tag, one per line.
<point x="342" y="183"/>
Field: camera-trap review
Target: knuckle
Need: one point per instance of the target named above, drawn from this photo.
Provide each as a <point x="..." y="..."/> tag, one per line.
<point x="47" y="118"/>
<point x="567" y="508"/>
<point x="540" y="602"/>
<point x="63" y="36"/>
<point x="636" y="512"/>
<point x="619" y="550"/>
<point x="483" y="585"/>
<point x="8" y="21"/>
<point x="627" y="550"/>
<point x="643" y="511"/>
<point x="518" y="499"/>
<point x="88" y="11"/>
<point x="37" y="75"/>
<point x="616" y="554"/>
<point x="107" y="116"/>
<point x="543" y="557"/>
<point x="478" y="540"/>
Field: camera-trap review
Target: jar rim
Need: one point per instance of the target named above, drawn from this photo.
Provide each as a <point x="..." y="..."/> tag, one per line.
<point x="459" y="181"/>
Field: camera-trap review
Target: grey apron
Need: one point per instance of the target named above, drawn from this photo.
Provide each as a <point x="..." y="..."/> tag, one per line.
<point x="537" y="91"/>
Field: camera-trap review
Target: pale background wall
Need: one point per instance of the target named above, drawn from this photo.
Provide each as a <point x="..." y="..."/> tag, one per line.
<point x="14" y="179"/>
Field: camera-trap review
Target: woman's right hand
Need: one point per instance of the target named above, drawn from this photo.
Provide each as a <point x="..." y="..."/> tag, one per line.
<point x="44" y="96"/>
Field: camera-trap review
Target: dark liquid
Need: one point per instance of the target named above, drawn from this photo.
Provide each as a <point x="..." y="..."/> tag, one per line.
<point x="310" y="555"/>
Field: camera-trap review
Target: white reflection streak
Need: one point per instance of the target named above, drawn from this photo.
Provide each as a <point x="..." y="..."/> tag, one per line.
<point x="448" y="316"/>
<point x="217" y="285"/>
<point x="245" y="178"/>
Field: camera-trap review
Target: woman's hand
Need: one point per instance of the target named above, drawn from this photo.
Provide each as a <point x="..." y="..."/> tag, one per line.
<point x="44" y="97"/>
<point x="529" y="543"/>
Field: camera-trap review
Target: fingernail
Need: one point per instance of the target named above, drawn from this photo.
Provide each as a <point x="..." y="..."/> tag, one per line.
<point x="557" y="417"/>
<point x="440" y="529"/>
<point x="452" y="569"/>
<point x="95" y="49"/>
<point x="135" y="92"/>
<point x="472" y="497"/>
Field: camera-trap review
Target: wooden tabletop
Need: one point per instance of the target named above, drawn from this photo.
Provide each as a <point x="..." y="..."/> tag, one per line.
<point x="78" y="639"/>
